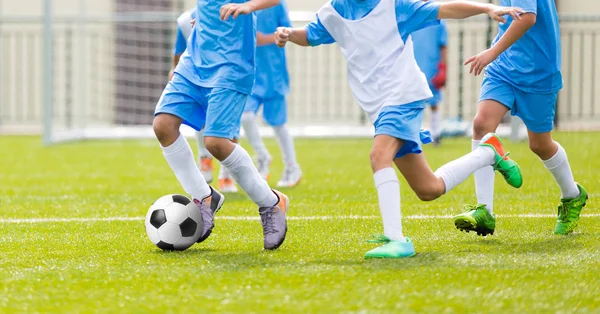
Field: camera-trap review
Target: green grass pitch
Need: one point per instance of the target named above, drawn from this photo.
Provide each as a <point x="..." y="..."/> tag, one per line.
<point x="87" y="265"/>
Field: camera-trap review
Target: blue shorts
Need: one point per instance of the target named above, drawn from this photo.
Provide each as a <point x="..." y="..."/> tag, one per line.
<point x="274" y="109"/>
<point x="404" y="122"/>
<point x="536" y="110"/>
<point x="217" y="110"/>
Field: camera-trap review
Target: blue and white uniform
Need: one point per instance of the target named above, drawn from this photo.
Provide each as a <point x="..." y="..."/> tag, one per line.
<point x="272" y="83"/>
<point x="526" y="77"/>
<point x="428" y="43"/>
<point x="184" y="30"/>
<point x="215" y="75"/>
<point x="374" y="36"/>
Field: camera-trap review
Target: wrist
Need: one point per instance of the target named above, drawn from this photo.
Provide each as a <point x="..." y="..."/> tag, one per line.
<point x="252" y="5"/>
<point x="489" y="8"/>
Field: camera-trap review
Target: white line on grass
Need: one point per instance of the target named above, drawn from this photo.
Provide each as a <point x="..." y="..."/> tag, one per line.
<point x="249" y="218"/>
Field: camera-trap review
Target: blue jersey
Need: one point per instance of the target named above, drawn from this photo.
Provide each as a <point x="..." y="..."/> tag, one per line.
<point x="532" y="64"/>
<point x="411" y="16"/>
<point x="428" y="44"/>
<point x="220" y="53"/>
<point x="272" y="78"/>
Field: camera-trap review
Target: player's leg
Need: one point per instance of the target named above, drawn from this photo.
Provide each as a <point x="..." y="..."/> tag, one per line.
<point x="263" y="157"/>
<point x="205" y="160"/>
<point x="275" y="114"/>
<point x="225" y="108"/>
<point x="495" y="96"/>
<point x="179" y="103"/>
<point x="436" y="129"/>
<point x="537" y="112"/>
<point x="226" y="181"/>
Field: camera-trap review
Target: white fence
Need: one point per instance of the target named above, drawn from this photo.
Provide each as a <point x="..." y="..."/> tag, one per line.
<point x="108" y="71"/>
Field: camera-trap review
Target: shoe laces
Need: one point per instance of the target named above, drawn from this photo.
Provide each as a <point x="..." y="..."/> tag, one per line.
<point x="473" y="207"/>
<point x="268" y="222"/>
<point x="379" y="238"/>
<point x="562" y="212"/>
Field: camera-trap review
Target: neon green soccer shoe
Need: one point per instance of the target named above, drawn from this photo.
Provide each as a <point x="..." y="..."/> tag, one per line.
<point x="569" y="211"/>
<point x="391" y="249"/>
<point x="476" y="218"/>
<point x="507" y="167"/>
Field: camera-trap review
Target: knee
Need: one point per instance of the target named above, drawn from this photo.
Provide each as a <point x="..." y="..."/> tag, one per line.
<point x="248" y="116"/>
<point x="380" y="159"/>
<point x="427" y="194"/>
<point x="220" y="148"/>
<point x="166" y="129"/>
<point x="543" y="149"/>
<point x="481" y="126"/>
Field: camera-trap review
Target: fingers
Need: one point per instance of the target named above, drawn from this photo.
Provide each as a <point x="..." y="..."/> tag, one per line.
<point x="470" y="60"/>
<point x="227" y="10"/>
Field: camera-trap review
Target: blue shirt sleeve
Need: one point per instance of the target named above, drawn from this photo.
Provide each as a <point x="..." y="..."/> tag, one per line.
<point x="180" y="43"/>
<point x="413" y="15"/>
<point x="529" y="6"/>
<point x="317" y="34"/>
<point x="284" y="16"/>
<point x="443" y="35"/>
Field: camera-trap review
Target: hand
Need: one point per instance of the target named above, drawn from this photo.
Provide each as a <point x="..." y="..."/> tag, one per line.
<point x="171" y="73"/>
<point x="496" y="13"/>
<point x="480" y="61"/>
<point x="235" y="9"/>
<point x="282" y="36"/>
<point x="439" y="80"/>
<point x="193" y="22"/>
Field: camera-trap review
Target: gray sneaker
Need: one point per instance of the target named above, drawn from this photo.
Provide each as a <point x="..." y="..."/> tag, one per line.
<point x="274" y="222"/>
<point x="209" y="208"/>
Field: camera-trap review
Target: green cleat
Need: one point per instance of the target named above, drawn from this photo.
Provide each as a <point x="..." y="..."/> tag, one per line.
<point x="476" y="218"/>
<point x="507" y="167"/>
<point x="391" y="249"/>
<point x="569" y="211"/>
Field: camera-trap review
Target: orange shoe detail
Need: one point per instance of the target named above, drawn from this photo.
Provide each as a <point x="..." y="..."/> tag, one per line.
<point x="206" y="164"/>
<point x="497" y="144"/>
<point x="284" y="201"/>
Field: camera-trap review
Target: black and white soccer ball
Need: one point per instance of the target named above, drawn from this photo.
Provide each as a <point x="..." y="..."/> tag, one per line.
<point x="174" y="222"/>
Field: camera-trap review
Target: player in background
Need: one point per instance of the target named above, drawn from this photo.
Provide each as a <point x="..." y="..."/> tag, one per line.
<point x="522" y="74"/>
<point x="430" y="51"/>
<point x="209" y="90"/>
<point x="270" y="90"/>
<point x="374" y="37"/>
<point x="205" y="159"/>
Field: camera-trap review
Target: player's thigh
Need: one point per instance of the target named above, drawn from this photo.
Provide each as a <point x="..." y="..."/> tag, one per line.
<point x="275" y="111"/>
<point x="184" y="100"/>
<point x="536" y="110"/>
<point x="224" y="113"/>
<point x="253" y="104"/>
<point x="495" y="99"/>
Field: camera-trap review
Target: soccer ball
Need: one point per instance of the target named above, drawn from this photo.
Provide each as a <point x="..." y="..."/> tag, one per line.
<point x="174" y="222"/>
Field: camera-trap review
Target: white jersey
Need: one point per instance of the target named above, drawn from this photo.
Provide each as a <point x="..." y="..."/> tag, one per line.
<point x="184" y="21"/>
<point x="382" y="70"/>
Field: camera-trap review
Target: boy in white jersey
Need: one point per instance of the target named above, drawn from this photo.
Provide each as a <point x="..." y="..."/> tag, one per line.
<point x="374" y="36"/>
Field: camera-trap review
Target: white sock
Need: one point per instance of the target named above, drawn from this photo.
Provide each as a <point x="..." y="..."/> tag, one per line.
<point x="457" y="171"/>
<point x="286" y="143"/>
<point x="244" y="172"/>
<point x="484" y="183"/>
<point x="181" y="159"/>
<point x="224" y="173"/>
<point x="253" y="135"/>
<point x="559" y="166"/>
<point x="388" y="191"/>
<point x="435" y="124"/>
<point x="202" y="151"/>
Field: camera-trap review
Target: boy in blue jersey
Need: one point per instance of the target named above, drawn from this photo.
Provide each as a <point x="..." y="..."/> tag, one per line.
<point x="374" y="36"/>
<point x="430" y="52"/>
<point x="270" y="90"/>
<point x="185" y="24"/>
<point x="523" y="76"/>
<point x="209" y="90"/>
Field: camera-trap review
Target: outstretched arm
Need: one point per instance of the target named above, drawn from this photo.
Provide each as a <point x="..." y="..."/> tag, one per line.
<point x="296" y="35"/>
<point x="517" y="29"/>
<point x="235" y="9"/>
<point x="465" y="9"/>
